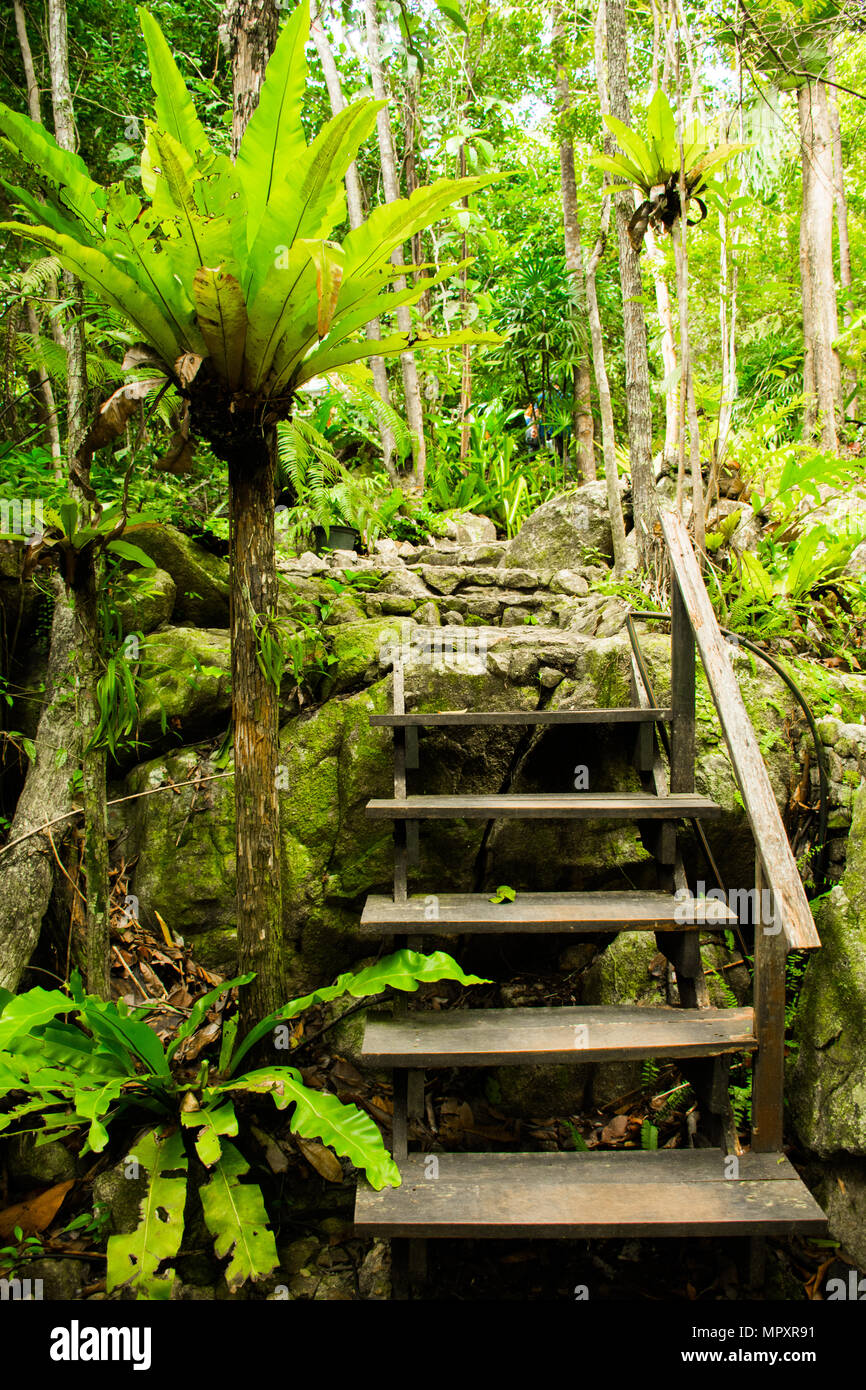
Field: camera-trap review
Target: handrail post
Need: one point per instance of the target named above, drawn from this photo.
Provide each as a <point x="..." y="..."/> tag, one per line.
<point x="768" y="1068"/>
<point x="682" y="694"/>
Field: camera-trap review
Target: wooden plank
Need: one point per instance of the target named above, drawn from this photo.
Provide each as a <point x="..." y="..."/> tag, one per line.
<point x="682" y="695"/>
<point x="510" y="1037"/>
<point x="442" y="718"/>
<point x="577" y="1195"/>
<point x="541" y="912"/>
<point x="544" y="806"/>
<point x="780" y="869"/>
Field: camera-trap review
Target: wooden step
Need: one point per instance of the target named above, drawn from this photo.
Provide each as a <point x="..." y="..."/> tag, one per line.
<point x="669" y="1192"/>
<point x="441" y="718"/>
<point x="546" y="806"/>
<point x="541" y="912"/>
<point x="502" y="1037"/>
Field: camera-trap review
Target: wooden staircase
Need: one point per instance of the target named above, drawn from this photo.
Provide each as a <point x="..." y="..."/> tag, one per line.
<point x="697" y="1191"/>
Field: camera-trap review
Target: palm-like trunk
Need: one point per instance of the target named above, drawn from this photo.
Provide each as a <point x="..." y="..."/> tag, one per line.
<point x="255" y="712"/>
<point x="250" y="27"/>
<point x="849" y="376"/>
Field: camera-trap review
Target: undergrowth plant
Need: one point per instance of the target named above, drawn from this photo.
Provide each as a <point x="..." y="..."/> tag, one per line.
<point x="72" y="1062"/>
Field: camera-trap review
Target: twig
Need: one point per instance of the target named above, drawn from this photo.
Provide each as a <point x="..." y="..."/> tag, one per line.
<point x="116" y="801"/>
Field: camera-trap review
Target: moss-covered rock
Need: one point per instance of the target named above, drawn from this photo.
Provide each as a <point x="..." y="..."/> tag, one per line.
<point x="828" y="1082"/>
<point x="188" y="681"/>
<point x="147" y="601"/>
<point x="202" y="579"/>
<point x="358" y="649"/>
<point x="622" y="974"/>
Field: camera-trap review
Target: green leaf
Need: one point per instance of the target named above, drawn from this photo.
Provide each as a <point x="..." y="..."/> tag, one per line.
<point x="403" y="970"/>
<point x="84" y="198"/>
<point x="635" y="149"/>
<point x="235" y="1215"/>
<point x="27" y="1012"/>
<point x="621" y="168"/>
<point x="327" y="360"/>
<point x="134" y="1260"/>
<point x="274" y="140"/>
<point x="101" y="276"/>
<point x="131" y="552"/>
<point x="125" y="1036"/>
<point x="452" y="12"/>
<point x="503" y="894"/>
<point x="663" y="132"/>
<point x="222" y="318"/>
<point x="317" y="1115"/>
<point x="200" y="1008"/>
<point x="175" y="112"/>
<point x="211" y="1122"/>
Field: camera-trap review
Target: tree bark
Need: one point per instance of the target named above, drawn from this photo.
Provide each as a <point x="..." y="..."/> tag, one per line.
<point x="687" y="392"/>
<point x="411" y="387"/>
<point x="637" y="385"/>
<point x="582" y="423"/>
<point x="849" y="376"/>
<point x="355" y="205"/>
<point x="250" y="28"/>
<point x="822" y="376"/>
<point x="255" y="713"/>
<point x="89" y="655"/>
<point x="602" y="384"/>
<point x="28" y="869"/>
<point x="46" y="390"/>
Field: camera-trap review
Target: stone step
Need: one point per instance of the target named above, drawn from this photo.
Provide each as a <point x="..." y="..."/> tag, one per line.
<point x="479" y="718"/>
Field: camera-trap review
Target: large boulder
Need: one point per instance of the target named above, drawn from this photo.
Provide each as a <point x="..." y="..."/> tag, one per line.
<point x="828" y="1082"/>
<point x="147" y="600"/>
<point x="202" y="579"/>
<point x="565" y="532"/>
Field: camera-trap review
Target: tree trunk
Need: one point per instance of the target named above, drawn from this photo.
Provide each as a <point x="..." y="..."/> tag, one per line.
<point x="822" y="377"/>
<point x="687" y="392"/>
<point x="637" y="384"/>
<point x="849" y="376"/>
<point x="602" y="384"/>
<point x="250" y="28"/>
<point x="582" y="422"/>
<point x="355" y="204"/>
<point x="255" y="713"/>
<point x="28" y="868"/>
<point x="46" y="390"/>
<point x="89" y="655"/>
<point x="669" y="349"/>
<point x="411" y="387"/>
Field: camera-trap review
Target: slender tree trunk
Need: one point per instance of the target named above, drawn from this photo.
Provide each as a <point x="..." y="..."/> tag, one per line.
<point x="46" y="390"/>
<point x="637" y="383"/>
<point x="849" y="376"/>
<point x="250" y="28"/>
<point x="822" y="377"/>
<point x="663" y="299"/>
<point x="688" y="385"/>
<point x="355" y="204"/>
<point x="411" y="387"/>
<point x="602" y="384"/>
<point x="582" y="422"/>
<point x="89" y="654"/>
<point x="27" y="870"/>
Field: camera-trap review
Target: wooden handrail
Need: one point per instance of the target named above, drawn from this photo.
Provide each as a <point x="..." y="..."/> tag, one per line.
<point x="780" y="873"/>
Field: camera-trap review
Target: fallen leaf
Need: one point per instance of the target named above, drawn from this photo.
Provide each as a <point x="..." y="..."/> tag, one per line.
<point x="323" y="1160"/>
<point x="35" y="1213"/>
